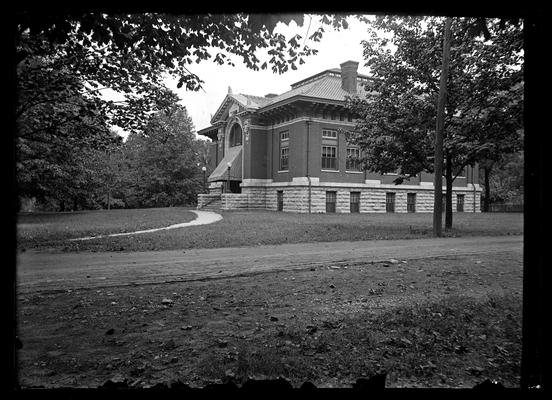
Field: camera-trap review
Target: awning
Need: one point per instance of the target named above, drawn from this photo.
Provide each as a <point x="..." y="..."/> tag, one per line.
<point x="233" y="156"/>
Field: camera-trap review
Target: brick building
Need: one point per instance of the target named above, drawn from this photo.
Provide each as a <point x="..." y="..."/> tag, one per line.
<point x="286" y="152"/>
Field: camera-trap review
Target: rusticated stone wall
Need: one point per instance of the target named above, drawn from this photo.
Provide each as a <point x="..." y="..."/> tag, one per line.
<point x="206" y="199"/>
<point x="296" y="199"/>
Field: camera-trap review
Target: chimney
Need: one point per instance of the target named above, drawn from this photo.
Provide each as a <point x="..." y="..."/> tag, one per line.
<point x="349" y="76"/>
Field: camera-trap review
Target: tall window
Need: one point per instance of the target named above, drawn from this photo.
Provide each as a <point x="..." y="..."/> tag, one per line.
<point x="235" y="135"/>
<point x="411" y="202"/>
<point x="355" y="202"/>
<point x="329" y="157"/>
<point x="329" y="149"/>
<point x="390" y="202"/>
<point x="284" y="158"/>
<point x="330" y="201"/>
<point x="460" y="202"/>
<point x="284" y="151"/>
<point x="353" y="162"/>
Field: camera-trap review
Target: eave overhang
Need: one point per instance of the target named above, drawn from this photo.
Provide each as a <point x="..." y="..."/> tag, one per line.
<point x="211" y="131"/>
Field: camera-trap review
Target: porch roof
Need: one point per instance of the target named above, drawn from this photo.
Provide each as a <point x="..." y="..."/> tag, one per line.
<point x="234" y="157"/>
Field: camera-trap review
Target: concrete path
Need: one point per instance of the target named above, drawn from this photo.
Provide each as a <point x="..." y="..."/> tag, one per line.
<point x="61" y="271"/>
<point x="202" y="218"/>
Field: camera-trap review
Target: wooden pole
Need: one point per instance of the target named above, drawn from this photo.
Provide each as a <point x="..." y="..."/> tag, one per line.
<point x="438" y="163"/>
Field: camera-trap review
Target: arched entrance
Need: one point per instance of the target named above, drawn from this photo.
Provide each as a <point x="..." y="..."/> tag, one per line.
<point x="235" y="138"/>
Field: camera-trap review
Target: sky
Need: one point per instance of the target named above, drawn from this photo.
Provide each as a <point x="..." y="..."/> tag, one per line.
<point x="334" y="48"/>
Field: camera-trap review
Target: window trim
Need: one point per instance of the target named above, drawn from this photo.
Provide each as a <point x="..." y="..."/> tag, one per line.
<point x="335" y="157"/>
<point x="232" y="136"/>
<point x="348" y="161"/>
<point x="463" y="202"/>
<point x="409" y="196"/>
<point x="334" y="202"/>
<point x="280" y="168"/>
<point x="394" y="202"/>
<point x="283" y="144"/>
<point x="356" y="202"/>
<point x="329" y="130"/>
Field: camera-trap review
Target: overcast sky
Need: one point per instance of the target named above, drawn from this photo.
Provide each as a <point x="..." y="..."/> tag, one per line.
<point x="334" y="48"/>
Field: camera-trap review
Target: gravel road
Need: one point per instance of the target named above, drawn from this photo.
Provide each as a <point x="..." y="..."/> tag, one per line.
<point x="42" y="271"/>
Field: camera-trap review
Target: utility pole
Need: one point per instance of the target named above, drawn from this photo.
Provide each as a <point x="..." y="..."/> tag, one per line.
<point x="109" y="179"/>
<point x="438" y="162"/>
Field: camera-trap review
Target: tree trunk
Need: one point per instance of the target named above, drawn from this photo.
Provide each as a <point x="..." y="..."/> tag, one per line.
<point x="438" y="163"/>
<point x="487" y="199"/>
<point x="448" y="194"/>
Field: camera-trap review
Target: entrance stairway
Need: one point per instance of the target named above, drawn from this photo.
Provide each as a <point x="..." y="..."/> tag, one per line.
<point x="209" y="202"/>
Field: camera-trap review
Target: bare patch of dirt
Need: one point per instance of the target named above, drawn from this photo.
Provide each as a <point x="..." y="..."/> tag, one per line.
<point x="450" y="322"/>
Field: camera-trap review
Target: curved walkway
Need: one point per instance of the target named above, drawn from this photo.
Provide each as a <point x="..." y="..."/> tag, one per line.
<point x="203" y="218"/>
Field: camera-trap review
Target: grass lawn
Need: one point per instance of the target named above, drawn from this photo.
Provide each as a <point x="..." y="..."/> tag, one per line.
<point x="436" y="322"/>
<point x="241" y="228"/>
<point x="38" y="229"/>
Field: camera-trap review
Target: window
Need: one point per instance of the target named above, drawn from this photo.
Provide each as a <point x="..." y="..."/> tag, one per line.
<point x="280" y="200"/>
<point x="329" y="157"/>
<point x="235" y="136"/>
<point x="284" y="158"/>
<point x="411" y="202"/>
<point x="460" y="202"/>
<point x="355" y="202"/>
<point x="390" y="202"/>
<point x="462" y="173"/>
<point x="353" y="162"/>
<point x="330" y="201"/>
<point x="284" y="151"/>
<point x="329" y="134"/>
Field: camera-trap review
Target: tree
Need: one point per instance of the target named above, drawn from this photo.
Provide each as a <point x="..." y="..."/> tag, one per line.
<point x="438" y="161"/>
<point x="165" y="161"/>
<point x="132" y="54"/>
<point x="66" y="62"/>
<point x="505" y="185"/>
<point x="483" y="114"/>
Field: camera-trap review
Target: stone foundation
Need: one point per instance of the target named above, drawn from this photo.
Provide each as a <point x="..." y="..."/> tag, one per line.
<point x="372" y="199"/>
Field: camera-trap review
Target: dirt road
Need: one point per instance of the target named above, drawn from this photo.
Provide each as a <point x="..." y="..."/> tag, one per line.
<point x="38" y="271"/>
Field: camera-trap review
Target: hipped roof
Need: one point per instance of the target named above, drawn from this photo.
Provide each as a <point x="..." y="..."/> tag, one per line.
<point x="326" y="85"/>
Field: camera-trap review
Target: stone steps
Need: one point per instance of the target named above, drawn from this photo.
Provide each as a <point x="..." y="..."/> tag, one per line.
<point x="214" y="206"/>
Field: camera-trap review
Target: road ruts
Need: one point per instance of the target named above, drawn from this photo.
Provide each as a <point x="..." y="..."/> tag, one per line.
<point x="37" y="272"/>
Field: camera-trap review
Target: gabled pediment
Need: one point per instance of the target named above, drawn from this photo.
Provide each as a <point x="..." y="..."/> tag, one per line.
<point x="230" y="105"/>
